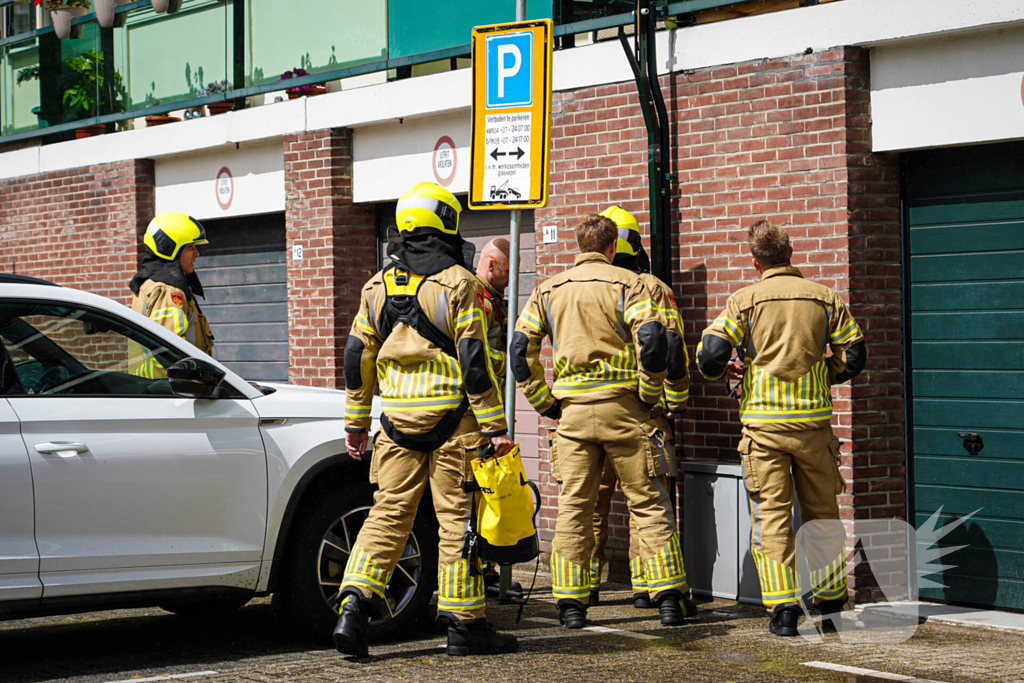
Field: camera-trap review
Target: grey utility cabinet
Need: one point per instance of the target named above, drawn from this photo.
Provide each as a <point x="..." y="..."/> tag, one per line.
<point x="716" y="531"/>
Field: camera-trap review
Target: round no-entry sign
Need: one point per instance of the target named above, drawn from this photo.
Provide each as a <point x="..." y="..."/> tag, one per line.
<point x="445" y="161"/>
<point x="225" y="188"/>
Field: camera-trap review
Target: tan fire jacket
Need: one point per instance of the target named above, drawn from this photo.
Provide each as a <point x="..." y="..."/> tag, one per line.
<point x="607" y="336"/>
<point x="419" y="383"/>
<point x="169" y="307"/>
<point x="677" y="382"/>
<point x="496" y="315"/>
<point x="785" y="323"/>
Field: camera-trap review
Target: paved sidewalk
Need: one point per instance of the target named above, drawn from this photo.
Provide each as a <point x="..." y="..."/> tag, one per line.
<point x="729" y="642"/>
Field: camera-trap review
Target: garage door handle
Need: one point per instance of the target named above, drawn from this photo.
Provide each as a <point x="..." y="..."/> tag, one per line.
<point x="972" y="442"/>
<point x="65" y="449"/>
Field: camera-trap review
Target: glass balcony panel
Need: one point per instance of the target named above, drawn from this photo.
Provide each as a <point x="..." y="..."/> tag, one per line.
<point x="19" y="87"/>
<point x="313" y="35"/>
<point x="415" y="26"/>
<point x="164" y="58"/>
<point x="81" y="74"/>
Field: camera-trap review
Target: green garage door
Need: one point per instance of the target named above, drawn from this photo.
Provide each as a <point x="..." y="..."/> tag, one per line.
<point x="966" y="244"/>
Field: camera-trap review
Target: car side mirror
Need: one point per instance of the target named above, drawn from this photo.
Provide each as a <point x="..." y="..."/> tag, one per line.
<point x="195" y="378"/>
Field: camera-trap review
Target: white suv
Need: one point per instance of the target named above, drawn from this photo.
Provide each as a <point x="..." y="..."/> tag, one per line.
<point x="193" y="493"/>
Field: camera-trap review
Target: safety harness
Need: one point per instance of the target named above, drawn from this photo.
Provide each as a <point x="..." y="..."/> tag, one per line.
<point x="401" y="305"/>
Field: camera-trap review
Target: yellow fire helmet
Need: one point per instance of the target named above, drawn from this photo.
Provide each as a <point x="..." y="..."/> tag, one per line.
<point x="629" y="230"/>
<point x="169" y="232"/>
<point x="428" y="205"/>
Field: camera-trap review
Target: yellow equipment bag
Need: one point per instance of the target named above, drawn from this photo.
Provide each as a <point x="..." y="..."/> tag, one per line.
<point x="505" y="530"/>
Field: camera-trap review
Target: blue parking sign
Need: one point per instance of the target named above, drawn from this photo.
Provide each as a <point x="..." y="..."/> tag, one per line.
<point x="510" y="70"/>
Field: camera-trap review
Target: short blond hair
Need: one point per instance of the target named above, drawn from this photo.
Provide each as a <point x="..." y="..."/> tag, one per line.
<point x="769" y="243"/>
<point x="596" y="233"/>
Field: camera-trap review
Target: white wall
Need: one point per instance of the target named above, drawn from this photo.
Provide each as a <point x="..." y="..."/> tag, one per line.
<point x="188" y="183"/>
<point x="948" y="92"/>
<point x="391" y="158"/>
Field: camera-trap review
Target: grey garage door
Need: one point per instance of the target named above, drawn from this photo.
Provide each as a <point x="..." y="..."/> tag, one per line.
<point x="243" y="273"/>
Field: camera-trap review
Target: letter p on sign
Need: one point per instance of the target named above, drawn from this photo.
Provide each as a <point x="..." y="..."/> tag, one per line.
<point x="509" y="70"/>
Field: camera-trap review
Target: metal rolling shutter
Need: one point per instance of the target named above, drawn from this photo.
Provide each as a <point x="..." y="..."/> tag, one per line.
<point x="966" y="282"/>
<point x="243" y="273"/>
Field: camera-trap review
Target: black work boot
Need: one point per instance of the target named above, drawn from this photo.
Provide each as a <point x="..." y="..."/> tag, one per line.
<point x="353" y="628"/>
<point x="689" y="605"/>
<point x="642" y="601"/>
<point x="831" y="615"/>
<point x="572" y="614"/>
<point x="784" y="620"/>
<point x="477" y="637"/>
<point x="595" y="598"/>
<point x="669" y="609"/>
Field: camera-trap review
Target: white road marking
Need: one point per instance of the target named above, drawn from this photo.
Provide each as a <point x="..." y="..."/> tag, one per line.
<point x="592" y="629"/>
<point x="868" y="672"/>
<point x="169" y="677"/>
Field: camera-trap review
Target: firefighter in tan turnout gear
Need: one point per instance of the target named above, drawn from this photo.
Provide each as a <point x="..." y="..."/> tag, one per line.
<point x="610" y="357"/>
<point x="630" y="254"/>
<point x="783" y="326"/>
<point x="166" y="287"/>
<point x="421" y="334"/>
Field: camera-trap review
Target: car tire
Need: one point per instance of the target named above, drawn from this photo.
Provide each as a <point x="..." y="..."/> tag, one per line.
<point x="310" y="559"/>
<point x="207" y="609"/>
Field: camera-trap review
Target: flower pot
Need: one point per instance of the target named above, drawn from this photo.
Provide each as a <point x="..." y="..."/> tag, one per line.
<point x="62" y="16"/>
<point x="308" y="91"/>
<point x="161" y="6"/>
<point x="90" y="131"/>
<point x="105" y="11"/>
<point x="159" y="120"/>
<point x="219" y="107"/>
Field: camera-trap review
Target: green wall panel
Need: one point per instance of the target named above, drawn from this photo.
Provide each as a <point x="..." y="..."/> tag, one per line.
<point x="972" y="266"/>
<point x="969" y="383"/>
<point x="961" y="500"/>
<point x="972" y="355"/>
<point x="969" y="295"/>
<point x="317" y="36"/>
<point x="168" y="57"/>
<point x="977" y="470"/>
<point x="969" y="325"/>
<point x="944" y="441"/>
<point x="999" y="533"/>
<point x="998" y="414"/>
<point x="415" y="26"/>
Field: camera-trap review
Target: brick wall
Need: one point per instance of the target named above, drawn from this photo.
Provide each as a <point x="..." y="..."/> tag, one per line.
<point x="80" y="227"/>
<point x="786" y="139"/>
<point x="339" y="253"/>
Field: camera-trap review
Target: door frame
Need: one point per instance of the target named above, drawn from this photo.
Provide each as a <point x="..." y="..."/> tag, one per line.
<point x="908" y="368"/>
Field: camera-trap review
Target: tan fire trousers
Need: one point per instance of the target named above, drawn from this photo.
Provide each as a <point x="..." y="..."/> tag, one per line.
<point x="774" y="463"/>
<point x="638" y="574"/>
<point x="619" y="431"/>
<point x="402" y="475"/>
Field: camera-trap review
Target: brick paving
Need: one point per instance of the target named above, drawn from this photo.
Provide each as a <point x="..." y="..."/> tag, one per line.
<point x="728" y="643"/>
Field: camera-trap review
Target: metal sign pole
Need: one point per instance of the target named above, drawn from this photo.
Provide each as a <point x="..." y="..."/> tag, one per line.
<point x="505" y="573"/>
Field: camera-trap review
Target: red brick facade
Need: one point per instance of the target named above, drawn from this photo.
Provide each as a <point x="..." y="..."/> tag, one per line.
<point x="339" y="253"/>
<point x="79" y="227"/>
<point x="786" y="139"/>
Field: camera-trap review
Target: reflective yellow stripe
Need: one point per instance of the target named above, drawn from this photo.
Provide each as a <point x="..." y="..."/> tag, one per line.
<point x="413" y="404"/>
<point x="569" y="580"/>
<point x="540" y="396"/>
<point x="779" y="582"/>
<point x="595" y="573"/>
<point x="364" y="324"/>
<point x="635" y="309"/>
<point x="665" y="569"/>
<point x="177" y="317"/>
<point x="362" y="570"/>
<point x="355" y="411"/>
<point x="846" y="333"/>
<point x="638" y="576"/>
<point x="731" y="329"/>
<point x="768" y="399"/>
<point x="676" y="396"/>
<point x="458" y="588"/>
<point x="531" y="320"/>
<point x="467" y="318"/>
<point x="490" y="415"/>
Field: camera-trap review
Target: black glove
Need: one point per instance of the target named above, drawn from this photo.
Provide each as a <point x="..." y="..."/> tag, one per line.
<point x="554" y="412"/>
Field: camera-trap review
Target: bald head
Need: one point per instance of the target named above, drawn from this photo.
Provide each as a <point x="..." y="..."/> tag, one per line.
<point x="493" y="266"/>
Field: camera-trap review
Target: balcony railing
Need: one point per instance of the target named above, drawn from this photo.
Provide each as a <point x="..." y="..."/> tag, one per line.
<point x="152" y="64"/>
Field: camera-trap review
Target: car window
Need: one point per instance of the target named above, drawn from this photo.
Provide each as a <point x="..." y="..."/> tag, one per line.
<point x="59" y="349"/>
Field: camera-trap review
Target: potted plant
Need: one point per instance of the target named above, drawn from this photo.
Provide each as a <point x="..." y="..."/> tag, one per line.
<point x="217" y="88"/>
<point x="159" y="119"/>
<point x="85" y="78"/>
<point x="302" y="90"/>
<point x="63" y="11"/>
<point x="161" y="6"/>
<point x="106" y="11"/>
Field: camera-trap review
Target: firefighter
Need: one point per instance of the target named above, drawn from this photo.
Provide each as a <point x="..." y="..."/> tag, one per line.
<point x="166" y="286"/>
<point x="492" y="272"/>
<point x="610" y="357"/>
<point x="630" y="254"/>
<point x="783" y="326"/>
<point x="421" y="334"/>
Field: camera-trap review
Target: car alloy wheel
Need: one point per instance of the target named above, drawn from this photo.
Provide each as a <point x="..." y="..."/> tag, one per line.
<point x="335" y="548"/>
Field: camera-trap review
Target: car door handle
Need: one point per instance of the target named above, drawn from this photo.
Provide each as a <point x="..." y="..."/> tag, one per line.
<point x="65" y="449"/>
